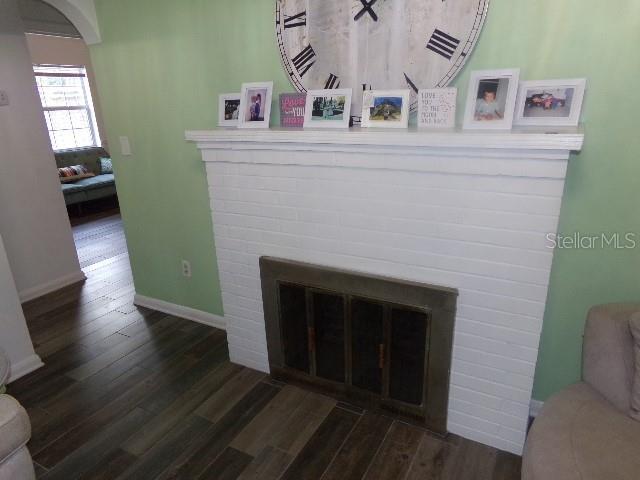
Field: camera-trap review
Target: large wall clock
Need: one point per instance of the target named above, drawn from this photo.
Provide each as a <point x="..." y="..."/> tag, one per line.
<point x="376" y="44"/>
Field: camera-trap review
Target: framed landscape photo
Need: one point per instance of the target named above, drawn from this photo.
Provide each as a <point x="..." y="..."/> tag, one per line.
<point x="228" y="109"/>
<point x="491" y="99"/>
<point x="550" y="102"/>
<point x="328" y="108"/>
<point x="385" y="108"/>
<point x="437" y="107"/>
<point x="255" y="105"/>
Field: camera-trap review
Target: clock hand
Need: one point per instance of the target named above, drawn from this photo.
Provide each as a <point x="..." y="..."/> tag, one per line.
<point x="366" y="8"/>
<point x="410" y="83"/>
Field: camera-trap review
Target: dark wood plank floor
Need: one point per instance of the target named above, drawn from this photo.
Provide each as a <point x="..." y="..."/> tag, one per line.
<point x="129" y="393"/>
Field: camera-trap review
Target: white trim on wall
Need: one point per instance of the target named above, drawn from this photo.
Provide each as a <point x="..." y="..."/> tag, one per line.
<point x="24" y="367"/>
<point x="48" y="287"/>
<point x="181" y="311"/>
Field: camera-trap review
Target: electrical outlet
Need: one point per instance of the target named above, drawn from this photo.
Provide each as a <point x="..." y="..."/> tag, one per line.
<point x="186" y="268"/>
<point x="4" y="98"/>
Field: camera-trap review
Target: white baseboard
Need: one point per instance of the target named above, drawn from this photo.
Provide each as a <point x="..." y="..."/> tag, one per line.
<point x="24" y="367"/>
<point x="40" y="290"/>
<point x="180" y="311"/>
<point x="535" y="407"/>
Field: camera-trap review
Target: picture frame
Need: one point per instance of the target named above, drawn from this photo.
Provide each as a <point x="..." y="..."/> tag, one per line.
<point x="385" y="108"/>
<point x="491" y="99"/>
<point x="550" y="102"/>
<point x="437" y="107"/>
<point x="328" y="108"/>
<point x="292" y="108"/>
<point x="228" y="109"/>
<point x="255" y="97"/>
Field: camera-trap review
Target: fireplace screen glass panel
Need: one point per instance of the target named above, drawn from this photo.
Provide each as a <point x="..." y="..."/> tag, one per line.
<point x="294" y="326"/>
<point x="328" y="316"/>
<point x="367" y="338"/>
<point x="373" y="341"/>
<point x="407" y="355"/>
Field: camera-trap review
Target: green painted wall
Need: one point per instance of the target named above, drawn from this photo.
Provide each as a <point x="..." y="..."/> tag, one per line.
<point x="162" y="64"/>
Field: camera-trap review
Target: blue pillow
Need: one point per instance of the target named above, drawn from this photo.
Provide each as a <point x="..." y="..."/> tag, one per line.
<point x="106" y="166"/>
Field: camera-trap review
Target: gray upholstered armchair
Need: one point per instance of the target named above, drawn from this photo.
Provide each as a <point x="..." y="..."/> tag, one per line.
<point x="15" y="431"/>
<point x="586" y="431"/>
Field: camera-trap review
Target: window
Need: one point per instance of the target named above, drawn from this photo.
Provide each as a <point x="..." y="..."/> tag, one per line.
<point x="68" y="107"/>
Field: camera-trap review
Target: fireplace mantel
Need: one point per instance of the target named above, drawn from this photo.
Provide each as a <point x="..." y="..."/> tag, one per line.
<point x="355" y="139"/>
<point x="471" y="210"/>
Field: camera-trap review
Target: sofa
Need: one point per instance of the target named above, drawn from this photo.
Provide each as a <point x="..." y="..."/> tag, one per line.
<point x="586" y="432"/>
<point x="4" y="366"/>
<point x="15" y="431"/>
<point x="100" y="186"/>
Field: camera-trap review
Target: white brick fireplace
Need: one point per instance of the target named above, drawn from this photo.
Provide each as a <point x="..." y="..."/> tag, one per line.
<point x="458" y="209"/>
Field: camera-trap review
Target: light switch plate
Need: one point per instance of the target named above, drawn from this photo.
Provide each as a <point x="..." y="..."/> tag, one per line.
<point x="125" y="147"/>
<point x="4" y="98"/>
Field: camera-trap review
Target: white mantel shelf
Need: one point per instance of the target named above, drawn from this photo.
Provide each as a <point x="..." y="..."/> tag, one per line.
<point x="559" y="139"/>
<point x="465" y="209"/>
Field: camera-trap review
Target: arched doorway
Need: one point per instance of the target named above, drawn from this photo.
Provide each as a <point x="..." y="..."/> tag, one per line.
<point x="82" y="13"/>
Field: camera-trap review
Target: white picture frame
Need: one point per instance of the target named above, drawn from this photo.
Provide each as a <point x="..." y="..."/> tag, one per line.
<point x="326" y="104"/>
<point x="380" y="108"/>
<point x="437" y="108"/>
<point x="252" y="95"/>
<point x="228" y="100"/>
<point x="550" y="102"/>
<point x="491" y="99"/>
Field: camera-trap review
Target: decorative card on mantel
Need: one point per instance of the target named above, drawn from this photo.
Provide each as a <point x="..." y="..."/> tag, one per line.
<point x="437" y="107"/>
<point x="292" y="109"/>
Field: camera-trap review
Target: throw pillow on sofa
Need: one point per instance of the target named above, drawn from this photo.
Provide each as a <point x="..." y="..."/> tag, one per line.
<point x="106" y="166"/>
<point x="73" y="173"/>
<point x="634" y="325"/>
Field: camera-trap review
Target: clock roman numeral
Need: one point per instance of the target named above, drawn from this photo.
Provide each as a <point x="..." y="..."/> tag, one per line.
<point x="366" y="8"/>
<point x="332" y="82"/>
<point x="366" y="86"/>
<point x="410" y="83"/>
<point x="304" y="60"/>
<point x="298" y="20"/>
<point x="443" y="44"/>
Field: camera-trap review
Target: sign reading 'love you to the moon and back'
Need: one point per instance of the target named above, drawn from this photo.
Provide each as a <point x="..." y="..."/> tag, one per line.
<point x="437" y="107"/>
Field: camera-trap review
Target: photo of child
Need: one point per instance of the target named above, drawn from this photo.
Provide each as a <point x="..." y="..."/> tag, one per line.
<point x="255" y="103"/>
<point x="491" y="99"/>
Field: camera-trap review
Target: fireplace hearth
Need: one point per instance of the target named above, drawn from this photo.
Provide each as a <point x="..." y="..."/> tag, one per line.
<point x="379" y="342"/>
